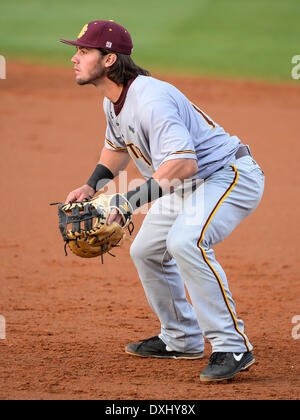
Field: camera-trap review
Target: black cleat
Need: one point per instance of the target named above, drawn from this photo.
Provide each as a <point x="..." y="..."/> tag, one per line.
<point x="155" y="347"/>
<point x="224" y="366"/>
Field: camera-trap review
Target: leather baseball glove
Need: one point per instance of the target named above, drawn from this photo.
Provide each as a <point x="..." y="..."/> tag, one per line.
<point x="84" y="227"/>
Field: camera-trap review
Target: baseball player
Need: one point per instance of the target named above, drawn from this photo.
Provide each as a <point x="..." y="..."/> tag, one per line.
<point x="203" y="183"/>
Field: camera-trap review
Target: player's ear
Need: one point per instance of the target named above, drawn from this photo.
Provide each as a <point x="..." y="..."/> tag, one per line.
<point x="109" y="59"/>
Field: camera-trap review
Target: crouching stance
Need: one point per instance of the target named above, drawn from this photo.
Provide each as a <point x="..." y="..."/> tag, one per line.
<point x="203" y="183"/>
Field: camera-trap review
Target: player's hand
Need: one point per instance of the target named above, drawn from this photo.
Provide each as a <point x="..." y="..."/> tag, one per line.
<point x="80" y="194"/>
<point x="115" y="217"/>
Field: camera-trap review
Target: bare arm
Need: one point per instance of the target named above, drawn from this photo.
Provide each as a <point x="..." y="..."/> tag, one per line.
<point x="173" y="172"/>
<point x="114" y="161"/>
<point x="170" y="174"/>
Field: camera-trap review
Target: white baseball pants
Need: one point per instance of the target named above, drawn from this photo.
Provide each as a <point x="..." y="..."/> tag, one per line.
<point x="174" y="248"/>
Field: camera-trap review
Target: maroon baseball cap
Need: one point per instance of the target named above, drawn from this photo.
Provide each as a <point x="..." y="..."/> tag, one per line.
<point x="104" y="34"/>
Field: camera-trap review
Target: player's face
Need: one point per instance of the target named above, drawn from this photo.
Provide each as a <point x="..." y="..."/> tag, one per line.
<point x="88" y="65"/>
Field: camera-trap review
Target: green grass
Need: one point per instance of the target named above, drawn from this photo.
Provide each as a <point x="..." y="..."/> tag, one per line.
<point x="233" y="38"/>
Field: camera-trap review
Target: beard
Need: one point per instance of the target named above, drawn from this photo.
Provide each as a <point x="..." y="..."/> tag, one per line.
<point x="97" y="73"/>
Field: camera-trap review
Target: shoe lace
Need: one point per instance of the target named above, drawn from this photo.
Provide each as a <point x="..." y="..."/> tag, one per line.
<point x="217" y="358"/>
<point x="150" y="339"/>
<point x="155" y="338"/>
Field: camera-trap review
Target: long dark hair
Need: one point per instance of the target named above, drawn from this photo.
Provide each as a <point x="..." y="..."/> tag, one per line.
<point x="123" y="69"/>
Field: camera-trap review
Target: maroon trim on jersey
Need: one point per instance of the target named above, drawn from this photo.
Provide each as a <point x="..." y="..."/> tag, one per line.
<point x="120" y="102"/>
<point x="211" y="123"/>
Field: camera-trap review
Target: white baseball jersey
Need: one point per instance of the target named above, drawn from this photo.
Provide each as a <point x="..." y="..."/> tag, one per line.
<point x="158" y="123"/>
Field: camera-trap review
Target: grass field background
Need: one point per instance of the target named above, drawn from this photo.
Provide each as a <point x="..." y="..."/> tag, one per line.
<point x="231" y="38"/>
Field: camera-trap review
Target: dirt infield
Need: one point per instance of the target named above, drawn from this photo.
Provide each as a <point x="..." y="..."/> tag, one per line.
<point x="67" y="319"/>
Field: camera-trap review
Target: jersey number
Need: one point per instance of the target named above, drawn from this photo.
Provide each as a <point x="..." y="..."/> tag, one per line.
<point x="137" y="153"/>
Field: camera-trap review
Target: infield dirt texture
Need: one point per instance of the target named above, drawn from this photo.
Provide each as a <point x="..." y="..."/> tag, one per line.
<point x="67" y="319"/>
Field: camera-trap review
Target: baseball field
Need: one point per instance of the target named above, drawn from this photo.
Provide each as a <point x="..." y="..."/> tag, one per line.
<point x="64" y="321"/>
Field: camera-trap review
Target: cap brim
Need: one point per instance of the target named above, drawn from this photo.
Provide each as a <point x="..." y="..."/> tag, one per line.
<point x="77" y="43"/>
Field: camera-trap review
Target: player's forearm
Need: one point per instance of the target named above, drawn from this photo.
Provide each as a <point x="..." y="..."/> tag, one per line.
<point x="109" y="166"/>
<point x="170" y="174"/>
<point x="114" y="161"/>
<point x="173" y="172"/>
